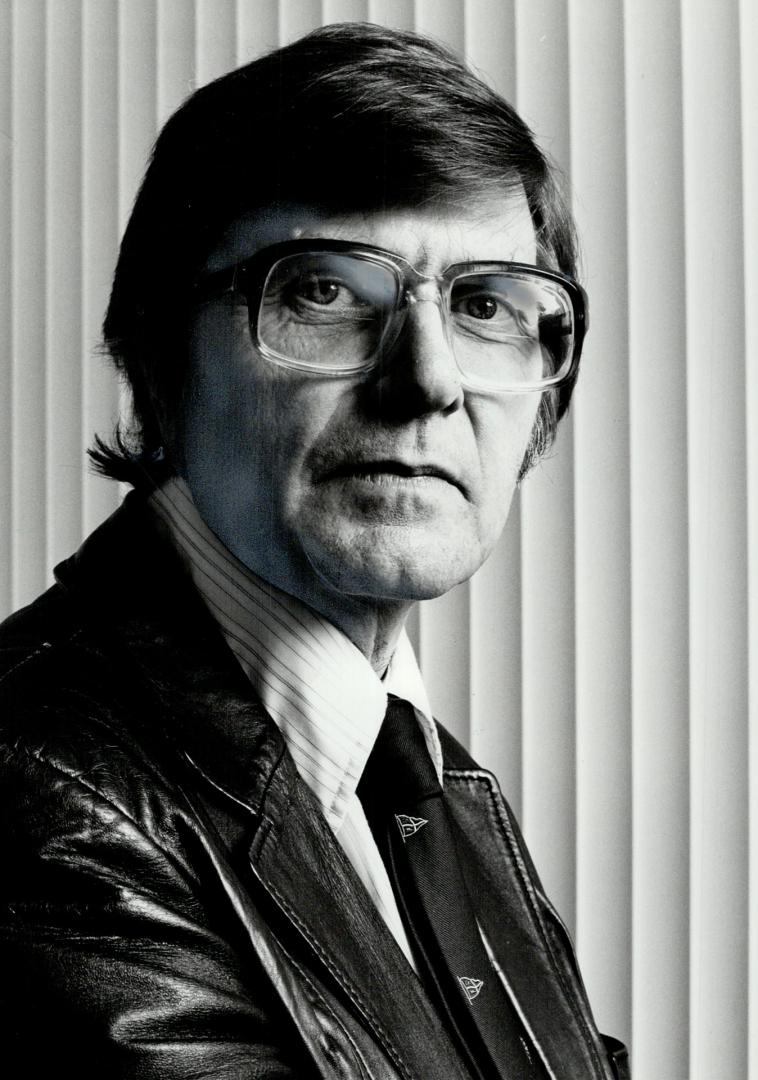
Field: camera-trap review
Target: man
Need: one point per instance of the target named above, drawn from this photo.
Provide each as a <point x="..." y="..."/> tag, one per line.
<point x="237" y="843"/>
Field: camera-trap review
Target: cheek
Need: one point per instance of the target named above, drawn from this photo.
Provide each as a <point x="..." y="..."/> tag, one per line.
<point x="248" y="424"/>
<point x="504" y="429"/>
<point x="227" y="405"/>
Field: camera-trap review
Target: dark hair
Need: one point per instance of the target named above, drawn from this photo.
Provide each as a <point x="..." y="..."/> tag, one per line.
<point x="353" y="116"/>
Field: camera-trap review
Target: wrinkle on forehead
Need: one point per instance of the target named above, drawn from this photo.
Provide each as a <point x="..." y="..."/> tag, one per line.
<point x="497" y="228"/>
<point x="430" y="237"/>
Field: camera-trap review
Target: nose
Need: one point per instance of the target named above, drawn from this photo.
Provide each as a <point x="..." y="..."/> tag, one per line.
<point x="418" y="374"/>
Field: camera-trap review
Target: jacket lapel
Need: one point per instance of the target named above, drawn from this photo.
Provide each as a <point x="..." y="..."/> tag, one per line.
<point x="528" y="941"/>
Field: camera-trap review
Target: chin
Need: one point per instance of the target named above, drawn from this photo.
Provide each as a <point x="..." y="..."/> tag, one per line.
<point x="395" y="571"/>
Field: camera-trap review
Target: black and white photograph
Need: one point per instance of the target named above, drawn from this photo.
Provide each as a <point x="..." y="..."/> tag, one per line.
<point x="379" y="539"/>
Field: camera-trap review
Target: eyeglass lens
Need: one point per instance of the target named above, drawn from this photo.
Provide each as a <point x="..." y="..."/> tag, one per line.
<point x="333" y="311"/>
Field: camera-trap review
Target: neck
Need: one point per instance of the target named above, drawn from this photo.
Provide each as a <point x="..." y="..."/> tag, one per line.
<point x="372" y="625"/>
<point x="373" y="628"/>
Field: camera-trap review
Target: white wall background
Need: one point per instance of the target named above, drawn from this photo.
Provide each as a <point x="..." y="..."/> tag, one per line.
<point x="601" y="662"/>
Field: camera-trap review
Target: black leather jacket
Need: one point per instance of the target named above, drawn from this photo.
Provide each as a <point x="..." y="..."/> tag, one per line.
<point x="173" y="904"/>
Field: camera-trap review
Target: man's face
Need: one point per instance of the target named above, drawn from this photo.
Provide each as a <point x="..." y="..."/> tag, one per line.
<point x="390" y="485"/>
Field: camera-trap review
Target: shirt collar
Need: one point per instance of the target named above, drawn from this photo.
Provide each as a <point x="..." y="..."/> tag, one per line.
<point x="316" y="685"/>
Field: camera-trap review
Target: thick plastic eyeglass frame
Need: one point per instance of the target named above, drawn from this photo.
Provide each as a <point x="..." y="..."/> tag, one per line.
<point x="249" y="277"/>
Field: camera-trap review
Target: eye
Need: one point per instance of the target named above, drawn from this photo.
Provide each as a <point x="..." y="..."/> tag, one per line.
<point x="473" y="306"/>
<point x="320" y="290"/>
<point x="494" y="307"/>
<point x="480" y="307"/>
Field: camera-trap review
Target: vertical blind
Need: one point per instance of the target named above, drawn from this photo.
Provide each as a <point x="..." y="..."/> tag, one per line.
<point x="602" y="663"/>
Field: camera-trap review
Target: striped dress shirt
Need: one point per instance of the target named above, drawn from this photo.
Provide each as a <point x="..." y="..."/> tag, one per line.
<point x="319" y="689"/>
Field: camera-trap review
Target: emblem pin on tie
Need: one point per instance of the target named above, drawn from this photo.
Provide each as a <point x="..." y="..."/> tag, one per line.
<point x="471" y="987"/>
<point x="409" y="825"/>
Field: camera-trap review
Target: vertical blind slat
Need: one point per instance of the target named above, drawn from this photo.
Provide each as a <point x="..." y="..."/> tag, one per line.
<point x="549" y="690"/>
<point x="658" y="438"/>
<point x="442" y="19"/>
<point x="602" y="515"/>
<point x="65" y="438"/>
<point x="335" y="11"/>
<point x="296" y="20"/>
<point x="491" y="43"/>
<point x="175" y="44"/>
<point x="542" y="69"/>
<point x="137" y="85"/>
<point x="216" y="39"/>
<point x="6" y="277"/>
<point x="28" y="302"/>
<point x="257" y="28"/>
<point x="717" y="527"/>
<point x="397" y="13"/>
<point x="749" y="88"/>
<point x="100" y="209"/>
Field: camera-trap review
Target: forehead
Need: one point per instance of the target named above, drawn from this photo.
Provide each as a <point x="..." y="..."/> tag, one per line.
<point x="481" y="228"/>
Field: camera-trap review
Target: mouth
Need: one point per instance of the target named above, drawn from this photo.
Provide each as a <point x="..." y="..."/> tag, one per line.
<point x="387" y="471"/>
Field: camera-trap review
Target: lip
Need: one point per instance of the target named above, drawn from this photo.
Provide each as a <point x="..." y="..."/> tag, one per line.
<point x="387" y="468"/>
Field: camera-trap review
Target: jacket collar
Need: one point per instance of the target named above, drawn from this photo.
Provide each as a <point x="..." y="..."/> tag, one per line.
<point x="127" y="579"/>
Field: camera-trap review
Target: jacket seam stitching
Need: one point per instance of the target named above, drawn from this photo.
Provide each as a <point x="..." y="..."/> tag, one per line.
<point x="219" y="787"/>
<point x="98" y="794"/>
<point x="324" y="956"/>
<point x="44" y="649"/>
<point x="327" y="1007"/>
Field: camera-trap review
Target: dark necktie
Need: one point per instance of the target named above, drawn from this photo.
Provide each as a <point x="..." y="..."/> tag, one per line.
<point x="406" y="811"/>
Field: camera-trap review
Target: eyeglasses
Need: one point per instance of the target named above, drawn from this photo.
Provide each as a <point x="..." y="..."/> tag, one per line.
<point x="336" y="308"/>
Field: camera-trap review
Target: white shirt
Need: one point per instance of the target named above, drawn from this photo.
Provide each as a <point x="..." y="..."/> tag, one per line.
<point x="320" y="690"/>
